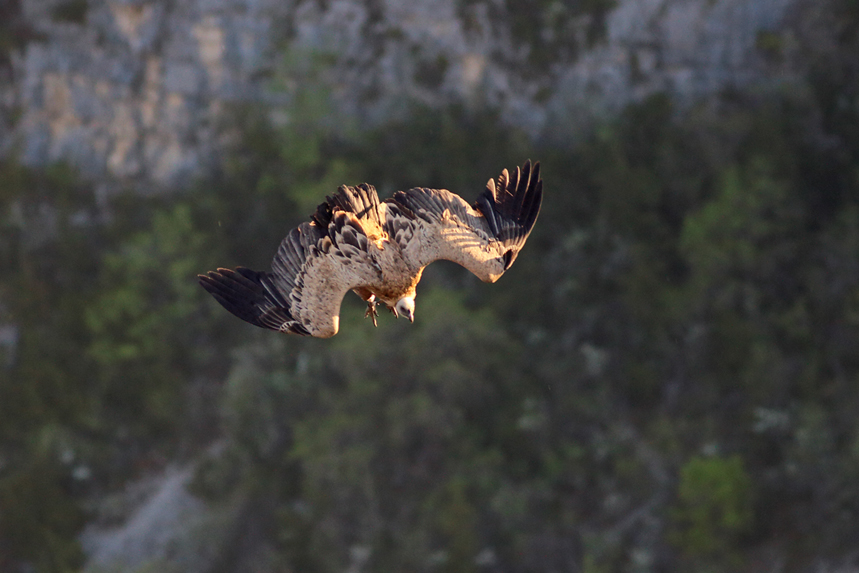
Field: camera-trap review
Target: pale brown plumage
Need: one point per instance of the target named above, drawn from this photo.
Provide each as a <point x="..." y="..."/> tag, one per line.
<point x="379" y="250"/>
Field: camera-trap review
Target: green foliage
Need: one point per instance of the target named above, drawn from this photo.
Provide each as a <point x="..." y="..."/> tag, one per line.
<point x="549" y="31"/>
<point x="714" y="508"/>
<point x="467" y="146"/>
<point x="73" y="11"/>
<point x="770" y="44"/>
<point x="367" y="432"/>
<point x="47" y="257"/>
<point x="753" y="210"/>
<point x="38" y="518"/>
<point x="431" y="74"/>
<point x="143" y="324"/>
<point x="96" y="373"/>
<point x="15" y="32"/>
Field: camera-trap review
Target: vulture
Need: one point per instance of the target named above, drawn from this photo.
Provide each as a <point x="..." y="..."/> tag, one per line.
<point x="379" y="250"/>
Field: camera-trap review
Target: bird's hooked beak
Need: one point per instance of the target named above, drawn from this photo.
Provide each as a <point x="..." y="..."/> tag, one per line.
<point x="407" y="313"/>
<point x="406" y="307"/>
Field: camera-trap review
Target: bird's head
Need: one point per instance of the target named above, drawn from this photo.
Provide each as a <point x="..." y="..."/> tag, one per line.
<point x="406" y="307"/>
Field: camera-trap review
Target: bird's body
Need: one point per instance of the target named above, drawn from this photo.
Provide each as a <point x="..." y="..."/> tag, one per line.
<point x="379" y="250"/>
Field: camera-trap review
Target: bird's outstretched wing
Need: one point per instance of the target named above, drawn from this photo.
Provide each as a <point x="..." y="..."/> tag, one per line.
<point x="433" y="224"/>
<point x="315" y="266"/>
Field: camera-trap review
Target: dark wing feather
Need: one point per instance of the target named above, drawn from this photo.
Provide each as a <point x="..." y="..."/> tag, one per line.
<point x="251" y="296"/>
<point x="511" y="207"/>
<point x="315" y="266"/>
<point x="361" y="200"/>
<point x="432" y="224"/>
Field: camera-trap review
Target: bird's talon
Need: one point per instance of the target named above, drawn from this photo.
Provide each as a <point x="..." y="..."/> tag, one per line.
<point x="371" y="311"/>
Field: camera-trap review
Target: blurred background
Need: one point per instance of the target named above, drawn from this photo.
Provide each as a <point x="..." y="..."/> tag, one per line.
<point x="666" y="380"/>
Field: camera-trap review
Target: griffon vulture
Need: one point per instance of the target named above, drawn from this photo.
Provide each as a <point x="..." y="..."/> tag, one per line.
<point x="379" y="250"/>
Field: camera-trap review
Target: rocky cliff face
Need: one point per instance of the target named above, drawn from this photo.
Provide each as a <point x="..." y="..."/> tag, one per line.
<point x="137" y="89"/>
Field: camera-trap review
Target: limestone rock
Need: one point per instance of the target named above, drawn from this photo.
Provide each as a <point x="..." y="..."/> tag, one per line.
<point x="136" y="90"/>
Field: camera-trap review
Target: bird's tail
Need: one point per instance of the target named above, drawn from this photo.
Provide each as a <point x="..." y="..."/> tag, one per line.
<point x="253" y="297"/>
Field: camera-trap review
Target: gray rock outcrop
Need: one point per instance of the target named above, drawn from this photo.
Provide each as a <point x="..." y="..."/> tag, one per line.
<point x="137" y="89"/>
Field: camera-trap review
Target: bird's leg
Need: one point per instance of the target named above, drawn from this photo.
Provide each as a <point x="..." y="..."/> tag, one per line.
<point x="393" y="310"/>
<point x="371" y="309"/>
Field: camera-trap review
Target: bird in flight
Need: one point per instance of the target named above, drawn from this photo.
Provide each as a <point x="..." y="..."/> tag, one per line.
<point x="379" y="250"/>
